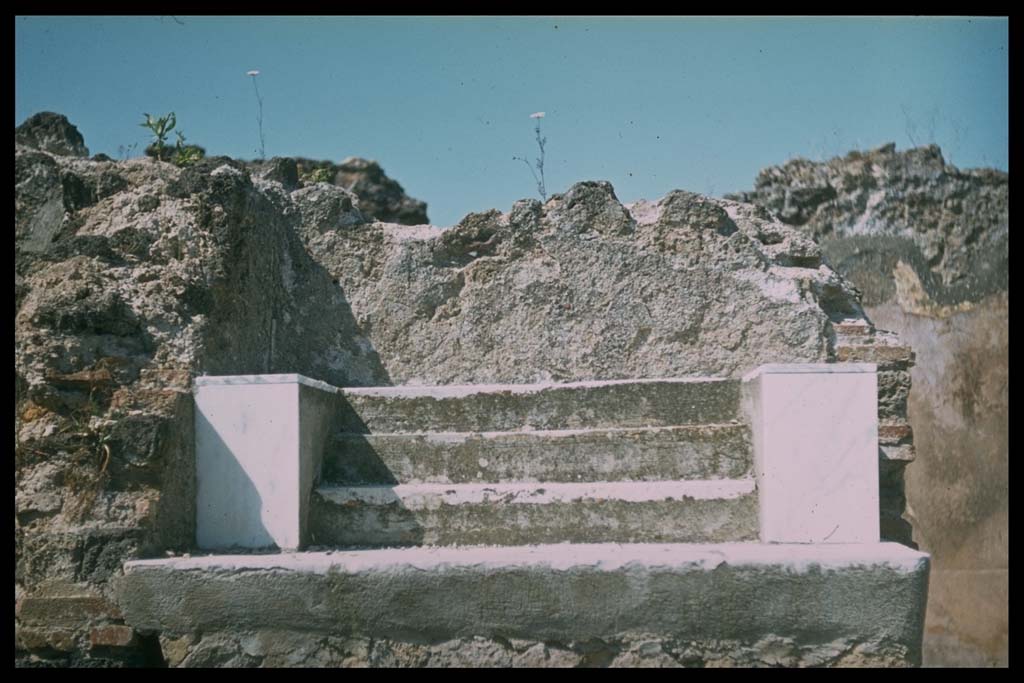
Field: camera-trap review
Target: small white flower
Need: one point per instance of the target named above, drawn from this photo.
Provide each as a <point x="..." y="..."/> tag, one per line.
<point x="254" y="72"/>
<point x="537" y="115"/>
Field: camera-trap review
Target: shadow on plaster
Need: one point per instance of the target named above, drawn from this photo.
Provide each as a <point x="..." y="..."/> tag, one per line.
<point x="246" y="502"/>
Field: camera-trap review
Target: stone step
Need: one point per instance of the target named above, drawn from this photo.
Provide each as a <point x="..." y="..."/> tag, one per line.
<point x="523" y="513"/>
<point x="513" y="407"/>
<point x="632" y="454"/>
<point x="738" y="603"/>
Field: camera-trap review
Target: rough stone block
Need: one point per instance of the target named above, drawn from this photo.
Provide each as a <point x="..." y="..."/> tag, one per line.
<point x="857" y="328"/>
<point x="174" y="650"/>
<point x="59" y="639"/>
<point x="859" y="598"/>
<point x="898" y="453"/>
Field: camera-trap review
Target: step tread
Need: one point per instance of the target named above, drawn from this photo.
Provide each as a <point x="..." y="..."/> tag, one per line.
<point x="735" y="425"/>
<point x="798" y="557"/>
<point x="718" y="451"/>
<point x="463" y="390"/>
<point x="502" y="407"/>
<point x="529" y="493"/>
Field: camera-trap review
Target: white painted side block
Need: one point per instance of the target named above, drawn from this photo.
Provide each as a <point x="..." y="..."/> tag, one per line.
<point x="815" y="434"/>
<point x="258" y="450"/>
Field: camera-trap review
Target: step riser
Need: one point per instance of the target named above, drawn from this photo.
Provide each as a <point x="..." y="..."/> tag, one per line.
<point x="427" y="521"/>
<point x="698" y="452"/>
<point x="678" y="593"/>
<point x="657" y="403"/>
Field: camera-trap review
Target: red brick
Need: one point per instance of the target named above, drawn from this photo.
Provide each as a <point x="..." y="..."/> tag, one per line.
<point x="112" y="635"/>
<point x="65" y="610"/>
<point x="894" y="433"/>
<point x="82" y="380"/>
<point x="867" y="353"/>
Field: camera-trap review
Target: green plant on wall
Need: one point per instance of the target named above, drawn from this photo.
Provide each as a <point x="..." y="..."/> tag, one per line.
<point x="186" y="155"/>
<point x="160" y="127"/>
<point x="317" y="175"/>
<point x="89" y="451"/>
<point x="181" y="154"/>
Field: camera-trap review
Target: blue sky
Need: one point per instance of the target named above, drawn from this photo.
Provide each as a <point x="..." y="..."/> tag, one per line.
<point x="650" y="104"/>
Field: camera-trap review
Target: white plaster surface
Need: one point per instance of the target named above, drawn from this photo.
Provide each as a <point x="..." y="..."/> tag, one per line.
<point x="258" y="444"/>
<point x="815" y="440"/>
<point x="247" y="456"/>
<point x="810" y="368"/>
<point x="798" y="558"/>
<point x="233" y="380"/>
<point x="416" y="496"/>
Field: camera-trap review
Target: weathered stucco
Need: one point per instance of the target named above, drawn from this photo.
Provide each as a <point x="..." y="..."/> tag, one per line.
<point x="958" y="489"/>
<point x="928" y="245"/>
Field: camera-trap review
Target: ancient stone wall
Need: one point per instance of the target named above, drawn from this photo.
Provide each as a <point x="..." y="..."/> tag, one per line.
<point x="928" y="245"/>
<point x="380" y="197"/>
<point x="132" y="278"/>
<point x="584" y="288"/>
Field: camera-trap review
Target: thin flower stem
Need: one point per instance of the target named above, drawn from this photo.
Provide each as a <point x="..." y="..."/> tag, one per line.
<point x="259" y="118"/>
<point x="539" y="162"/>
<point x="539" y="181"/>
<point x="541" y="186"/>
